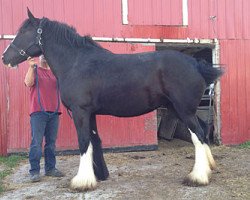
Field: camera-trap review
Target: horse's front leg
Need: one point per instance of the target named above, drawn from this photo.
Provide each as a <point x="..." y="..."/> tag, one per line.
<point x="100" y="168"/>
<point x="85" y="178"/>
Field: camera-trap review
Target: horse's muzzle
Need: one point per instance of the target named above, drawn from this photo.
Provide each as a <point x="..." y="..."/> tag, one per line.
<point x="8" y="64"/>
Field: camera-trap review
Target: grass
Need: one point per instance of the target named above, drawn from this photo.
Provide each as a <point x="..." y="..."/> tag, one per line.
<point x="245" y="145"/>
<point x="7" y="164"/>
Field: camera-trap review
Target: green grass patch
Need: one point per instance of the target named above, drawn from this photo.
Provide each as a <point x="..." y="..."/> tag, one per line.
<point x="7" y="164"/>
<point x="245" y="145"/>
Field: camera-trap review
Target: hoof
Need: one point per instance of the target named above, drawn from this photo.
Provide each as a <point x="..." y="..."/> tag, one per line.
<point x="80" y="184"/>
<point x="195" y="181"/>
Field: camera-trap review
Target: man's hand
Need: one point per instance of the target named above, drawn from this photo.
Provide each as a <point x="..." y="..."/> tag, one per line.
<point x="32" y="62"/>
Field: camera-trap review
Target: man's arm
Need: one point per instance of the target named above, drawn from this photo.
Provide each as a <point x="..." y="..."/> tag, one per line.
<point x="29" y="80"/>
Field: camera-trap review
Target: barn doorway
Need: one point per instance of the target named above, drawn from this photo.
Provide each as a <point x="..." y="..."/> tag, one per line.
<point x="170" y="127"/>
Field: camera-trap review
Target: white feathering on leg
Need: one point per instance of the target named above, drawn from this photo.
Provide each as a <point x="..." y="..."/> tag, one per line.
<point x="85" y="178"/>
<point x="210" y="158"/>
<point x="201" y="170"/>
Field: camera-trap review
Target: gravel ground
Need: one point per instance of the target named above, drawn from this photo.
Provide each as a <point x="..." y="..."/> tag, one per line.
<point x="143" y="175"/>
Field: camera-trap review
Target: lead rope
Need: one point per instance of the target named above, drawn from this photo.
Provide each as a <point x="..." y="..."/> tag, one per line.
<point x="38" y="95"/>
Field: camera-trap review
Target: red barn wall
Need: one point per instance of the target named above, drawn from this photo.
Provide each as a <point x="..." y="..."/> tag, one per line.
<point x="235" y="92"/>
<point x="103" y="18"/>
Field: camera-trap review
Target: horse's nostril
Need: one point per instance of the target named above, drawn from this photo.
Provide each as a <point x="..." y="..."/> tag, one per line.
<point x="3" y="60"/>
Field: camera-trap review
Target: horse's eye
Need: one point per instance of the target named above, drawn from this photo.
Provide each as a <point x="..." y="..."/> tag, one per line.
<point x="20" y="31"/>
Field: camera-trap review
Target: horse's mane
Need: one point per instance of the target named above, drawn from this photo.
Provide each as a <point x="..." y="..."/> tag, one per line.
<point x="67" y="34"/>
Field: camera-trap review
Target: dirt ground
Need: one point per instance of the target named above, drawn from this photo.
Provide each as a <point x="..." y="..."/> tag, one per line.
<point x="143" y="175"/>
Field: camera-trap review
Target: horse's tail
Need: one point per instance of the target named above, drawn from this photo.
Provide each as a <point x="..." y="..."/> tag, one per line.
<point x="208" y="72"/>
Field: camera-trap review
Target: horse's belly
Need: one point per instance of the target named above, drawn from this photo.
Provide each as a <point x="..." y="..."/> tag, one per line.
<point x="128" y="108"/>
<point x="130" y="101"/>
<point x="124" y="113"/>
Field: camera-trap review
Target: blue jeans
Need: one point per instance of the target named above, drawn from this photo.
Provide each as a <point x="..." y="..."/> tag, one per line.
<point x="43" y="125"/>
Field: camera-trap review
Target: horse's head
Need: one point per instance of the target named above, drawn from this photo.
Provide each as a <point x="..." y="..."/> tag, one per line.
<point x="27" y="42"/>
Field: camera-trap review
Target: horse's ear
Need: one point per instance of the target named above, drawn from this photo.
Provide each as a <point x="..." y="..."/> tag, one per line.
<point x="31" y="17"/>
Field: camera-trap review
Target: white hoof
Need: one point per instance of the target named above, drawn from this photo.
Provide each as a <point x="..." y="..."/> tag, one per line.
<point x="204" y="162"/>
<point x="83" y="184"/>
<point x="197" y="179"/>
<point x="85" y="178"/>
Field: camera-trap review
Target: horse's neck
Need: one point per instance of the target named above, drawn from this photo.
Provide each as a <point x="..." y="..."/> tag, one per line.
<point x="59" y="59"/>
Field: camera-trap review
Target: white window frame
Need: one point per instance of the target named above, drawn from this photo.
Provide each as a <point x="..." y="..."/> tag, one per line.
<point x="184" y="12"/>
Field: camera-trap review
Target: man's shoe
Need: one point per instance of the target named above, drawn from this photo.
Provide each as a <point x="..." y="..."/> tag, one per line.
<point x="35" y="178"/>
<point x="55" y="173"/>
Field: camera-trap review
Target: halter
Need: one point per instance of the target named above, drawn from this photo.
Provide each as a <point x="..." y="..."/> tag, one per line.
<point x="23" y="52"/>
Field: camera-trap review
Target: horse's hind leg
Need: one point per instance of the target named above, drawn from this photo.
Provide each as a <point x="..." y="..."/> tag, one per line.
<point x="204" y="161"/>
<point x="100" y="168"/>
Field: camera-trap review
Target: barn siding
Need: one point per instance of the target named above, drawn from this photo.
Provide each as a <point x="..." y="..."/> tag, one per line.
<point x="104" y="19"/>
<point x="235" y="91"/>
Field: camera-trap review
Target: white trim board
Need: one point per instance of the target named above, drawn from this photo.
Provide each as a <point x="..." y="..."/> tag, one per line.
<point x="139" y="40"/>
<point x="7" y="37"/>
<point x="184" y="12"/>
<point x="217" y="98"/>
<point x="125" y="12"/>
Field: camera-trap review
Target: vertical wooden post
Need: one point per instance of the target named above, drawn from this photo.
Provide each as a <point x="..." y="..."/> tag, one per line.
<point x="3" y="142"/>
<point x="3" y="114"/>
<point x="3" y="106"/>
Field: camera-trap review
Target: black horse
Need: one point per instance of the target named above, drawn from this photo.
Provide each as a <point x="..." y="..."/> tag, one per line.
<point x="94" y="81"/>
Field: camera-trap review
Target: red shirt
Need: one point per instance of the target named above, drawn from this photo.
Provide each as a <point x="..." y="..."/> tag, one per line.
<point x="48" y="92"/>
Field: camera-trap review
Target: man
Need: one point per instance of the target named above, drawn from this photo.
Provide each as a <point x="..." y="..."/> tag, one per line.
<point x="44" y="117"/>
